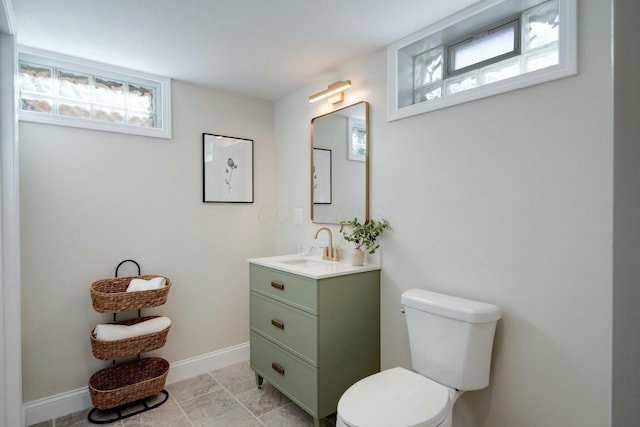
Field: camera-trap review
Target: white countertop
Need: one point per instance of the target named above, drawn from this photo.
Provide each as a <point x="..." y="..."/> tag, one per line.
<point x="312" y="266"/>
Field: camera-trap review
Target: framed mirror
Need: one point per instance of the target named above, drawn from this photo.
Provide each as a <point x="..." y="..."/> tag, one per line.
<point x="340" y="165"/>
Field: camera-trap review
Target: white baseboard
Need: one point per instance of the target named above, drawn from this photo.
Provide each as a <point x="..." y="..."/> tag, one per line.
<point x="198" y="365"/>
<point x="77" y="400"/>
<point x="56" y="406"/>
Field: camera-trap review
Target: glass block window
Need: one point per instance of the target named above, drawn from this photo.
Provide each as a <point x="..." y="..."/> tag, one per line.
<point x="484" y="51"/>
<point x="428" y="67"/>
<point x="461" y="83"/>
<point x="490" y="47"/>
<point x="541" y="25"/>
<point x="77" y="93"/>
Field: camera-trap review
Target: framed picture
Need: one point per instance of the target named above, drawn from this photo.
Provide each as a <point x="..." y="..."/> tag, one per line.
<point x="227" y="169"/>
<point x="321" y="176"/>
<point x="357" y="140"/>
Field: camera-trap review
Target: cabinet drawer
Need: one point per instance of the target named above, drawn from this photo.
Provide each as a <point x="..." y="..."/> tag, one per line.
<point x="286" y="372"/>
<point x="293" y="329"/>
<point x="288" y="288"/>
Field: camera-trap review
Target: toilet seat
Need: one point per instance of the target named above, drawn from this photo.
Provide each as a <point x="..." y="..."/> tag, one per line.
<point x="395" y="397"/>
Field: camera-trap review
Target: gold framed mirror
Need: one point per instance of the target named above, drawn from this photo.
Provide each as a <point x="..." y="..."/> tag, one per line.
<point x="340" y="145"/>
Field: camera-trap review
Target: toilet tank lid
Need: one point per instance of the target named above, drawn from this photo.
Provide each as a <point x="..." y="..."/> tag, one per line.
<point x="449" y="306"/>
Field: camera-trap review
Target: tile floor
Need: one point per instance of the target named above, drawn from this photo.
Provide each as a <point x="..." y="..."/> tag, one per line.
<point x="226" y="397"/>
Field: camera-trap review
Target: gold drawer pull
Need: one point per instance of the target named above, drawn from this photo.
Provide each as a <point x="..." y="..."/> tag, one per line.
<point x="278" y="324"/>
<point x="279" y="369"/>
<point x="278" y="285"/>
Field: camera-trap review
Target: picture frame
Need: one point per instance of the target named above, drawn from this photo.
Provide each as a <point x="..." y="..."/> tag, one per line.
<point x="321" y="176"/>
<point x="227" y="169"/>
<point x="357" y="140"/>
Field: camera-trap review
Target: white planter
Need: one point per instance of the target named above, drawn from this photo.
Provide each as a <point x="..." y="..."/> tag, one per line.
<point x="357" y="257"/>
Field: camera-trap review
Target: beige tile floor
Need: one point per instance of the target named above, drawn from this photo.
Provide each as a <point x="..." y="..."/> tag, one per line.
<point x="226" y="397"/>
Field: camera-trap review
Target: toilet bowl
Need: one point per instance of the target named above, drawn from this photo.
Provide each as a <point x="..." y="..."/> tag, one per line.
<point x="396" y="397"/>
<point x="451" y="341"/>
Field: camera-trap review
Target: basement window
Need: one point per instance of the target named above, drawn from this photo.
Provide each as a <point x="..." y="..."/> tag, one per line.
<point x="479" y="52"/>
<point x="486" y="47"/>
<point x="60" y="90"/>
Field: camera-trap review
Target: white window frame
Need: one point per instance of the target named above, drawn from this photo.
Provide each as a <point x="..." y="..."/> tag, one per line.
<point x="131" y="76"/>
<point x="400" y="66"/>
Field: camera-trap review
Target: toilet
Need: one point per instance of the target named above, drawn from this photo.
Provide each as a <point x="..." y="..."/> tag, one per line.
<point x="451" y="340"/>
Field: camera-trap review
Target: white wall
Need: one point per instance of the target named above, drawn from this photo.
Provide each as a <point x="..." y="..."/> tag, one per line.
<point x="506" y="200"/>
<point x="90" y="199"/>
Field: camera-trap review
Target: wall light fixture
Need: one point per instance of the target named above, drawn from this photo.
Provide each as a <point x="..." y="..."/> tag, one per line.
<point x="335" y="92"/>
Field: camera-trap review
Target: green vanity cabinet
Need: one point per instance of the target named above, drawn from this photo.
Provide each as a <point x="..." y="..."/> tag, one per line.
<point x="313" y="338"/>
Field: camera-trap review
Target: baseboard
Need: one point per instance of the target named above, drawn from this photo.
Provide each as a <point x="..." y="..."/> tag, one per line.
<point x="56" y="406"/>
<point x="77" y="400"/>
<point x="198" y="365"/>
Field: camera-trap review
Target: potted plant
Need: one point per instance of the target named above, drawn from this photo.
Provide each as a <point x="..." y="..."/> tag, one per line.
<point x="363" y="236"/>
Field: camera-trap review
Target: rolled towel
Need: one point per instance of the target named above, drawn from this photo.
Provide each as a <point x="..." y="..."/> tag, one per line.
<point x="110" y="332"/>
<point x="146" y="285"/>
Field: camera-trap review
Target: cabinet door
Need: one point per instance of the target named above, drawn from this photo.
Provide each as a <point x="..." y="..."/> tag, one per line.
<point x="297" y="291"/>
<point x="293" y="329"/>
<point x="289" y="374"/>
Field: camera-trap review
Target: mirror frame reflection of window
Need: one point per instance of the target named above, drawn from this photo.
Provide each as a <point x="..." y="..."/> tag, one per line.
<point x="331" y="131"/>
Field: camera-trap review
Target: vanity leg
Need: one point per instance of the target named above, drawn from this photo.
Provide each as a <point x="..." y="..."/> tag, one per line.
<point x="259" y="381"/>
<point x="319" y="422"/>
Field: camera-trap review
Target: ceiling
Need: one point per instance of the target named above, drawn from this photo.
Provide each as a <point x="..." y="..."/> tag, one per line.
<point x="265" y="49"/>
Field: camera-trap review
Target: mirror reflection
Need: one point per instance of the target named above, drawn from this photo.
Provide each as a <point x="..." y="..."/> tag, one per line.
<point x="339" y="165"/>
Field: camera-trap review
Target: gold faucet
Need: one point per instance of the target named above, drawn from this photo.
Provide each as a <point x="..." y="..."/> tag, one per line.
<point x="329" y="252"/>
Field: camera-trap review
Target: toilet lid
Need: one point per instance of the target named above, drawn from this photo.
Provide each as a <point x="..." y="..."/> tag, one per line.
<point x="395" y="397"/>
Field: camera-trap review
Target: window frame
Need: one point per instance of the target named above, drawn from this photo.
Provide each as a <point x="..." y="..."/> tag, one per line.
<point x="400" y="91"/>
<point x="513" y="21"/>
<point x="125" y="75"/>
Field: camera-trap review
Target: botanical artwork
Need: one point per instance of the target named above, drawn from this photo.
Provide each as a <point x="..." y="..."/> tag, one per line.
<point x="231" y="165"/>
<point x="227" y="169"/>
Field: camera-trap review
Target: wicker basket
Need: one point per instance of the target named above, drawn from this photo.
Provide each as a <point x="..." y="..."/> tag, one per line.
<point x="128" y="382"/>
<point x="110" y="350"/>
<point x="111" y="296"/>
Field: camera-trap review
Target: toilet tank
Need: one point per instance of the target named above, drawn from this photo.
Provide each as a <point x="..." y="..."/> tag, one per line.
<point x="451" y="338"/>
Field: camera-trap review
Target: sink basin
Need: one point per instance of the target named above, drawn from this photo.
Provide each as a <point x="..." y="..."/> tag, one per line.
<point x="309" y="266"/>
<point x="307" y="263"/>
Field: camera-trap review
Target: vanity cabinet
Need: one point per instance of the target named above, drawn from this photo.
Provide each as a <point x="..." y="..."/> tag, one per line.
<point x="312" y="338"/>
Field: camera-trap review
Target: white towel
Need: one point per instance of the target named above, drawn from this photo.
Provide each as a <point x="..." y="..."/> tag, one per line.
<point x="146" y="285"/>
<point x="110" y="332"/>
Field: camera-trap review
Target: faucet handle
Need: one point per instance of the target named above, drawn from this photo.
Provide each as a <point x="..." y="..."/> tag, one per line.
<point x="336" y="254"/>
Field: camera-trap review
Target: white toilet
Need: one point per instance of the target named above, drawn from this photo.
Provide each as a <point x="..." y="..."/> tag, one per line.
<point x="451" y="340"/>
